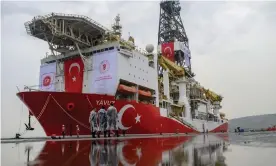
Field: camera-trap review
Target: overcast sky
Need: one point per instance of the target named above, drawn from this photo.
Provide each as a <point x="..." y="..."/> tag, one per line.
<point x="232" y="46"/>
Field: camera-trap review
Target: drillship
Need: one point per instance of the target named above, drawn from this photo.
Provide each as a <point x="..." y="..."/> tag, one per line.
<point x="91" y="66"/>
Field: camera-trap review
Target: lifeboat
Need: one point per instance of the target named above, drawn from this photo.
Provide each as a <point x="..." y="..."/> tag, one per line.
<point x="145" y="93"/>
<point x="124" y="88"/>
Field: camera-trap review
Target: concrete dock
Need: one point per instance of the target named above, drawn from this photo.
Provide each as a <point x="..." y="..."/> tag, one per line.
<point x="88" y="137"/>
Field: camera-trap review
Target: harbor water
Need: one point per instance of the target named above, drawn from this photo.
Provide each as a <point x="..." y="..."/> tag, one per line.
<point x="246" y="149"/>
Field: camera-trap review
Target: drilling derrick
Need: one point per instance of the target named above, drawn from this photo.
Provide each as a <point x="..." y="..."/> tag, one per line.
<point x="170" y="24"/>
<point x="171" y="30"/>
<point x="174" y="65"/>
<point x="179" y="92"/>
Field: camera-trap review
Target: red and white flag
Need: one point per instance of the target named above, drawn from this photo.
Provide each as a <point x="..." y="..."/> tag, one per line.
<point x="168" y="50"/>
<point x="47" y="77"/>
<point x="73" y="74"/>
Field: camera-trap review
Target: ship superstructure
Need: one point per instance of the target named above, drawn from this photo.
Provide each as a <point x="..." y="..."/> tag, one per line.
<point x="90" y="66"/>
<point x="133" y="70"/>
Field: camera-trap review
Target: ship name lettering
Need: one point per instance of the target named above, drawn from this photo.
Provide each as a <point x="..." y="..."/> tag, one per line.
<point x="104" y="102"/>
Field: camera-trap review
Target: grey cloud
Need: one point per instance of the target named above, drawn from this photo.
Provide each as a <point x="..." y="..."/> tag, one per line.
<point x="12" y="8"/>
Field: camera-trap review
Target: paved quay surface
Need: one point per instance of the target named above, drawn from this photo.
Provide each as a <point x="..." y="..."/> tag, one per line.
<point x="88" y="137"/>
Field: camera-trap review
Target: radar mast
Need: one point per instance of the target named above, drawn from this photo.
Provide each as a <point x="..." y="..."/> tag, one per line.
<point x="117" y="27"/>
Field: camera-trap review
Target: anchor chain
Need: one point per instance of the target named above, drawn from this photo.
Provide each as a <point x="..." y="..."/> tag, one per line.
<point x="40" y="114"/>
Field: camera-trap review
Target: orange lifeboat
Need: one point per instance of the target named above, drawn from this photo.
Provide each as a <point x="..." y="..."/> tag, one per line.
<point x="145" y="93"/>
<point x="125" y="88"/>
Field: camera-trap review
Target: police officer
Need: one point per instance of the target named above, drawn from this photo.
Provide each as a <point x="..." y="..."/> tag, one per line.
<point x="78" y="130"/>
<point x="102" y="121"/>
<point x="112" y="119"/>
<point x="93" y="122"/>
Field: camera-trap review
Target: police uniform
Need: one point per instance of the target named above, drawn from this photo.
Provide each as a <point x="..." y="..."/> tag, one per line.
<point x="112" y="119"/>
<point x="93" y="122"/>
<point x="102" y="121"/>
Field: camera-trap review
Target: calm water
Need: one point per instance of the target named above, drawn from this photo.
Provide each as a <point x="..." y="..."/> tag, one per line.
<point x="258" y="149"/>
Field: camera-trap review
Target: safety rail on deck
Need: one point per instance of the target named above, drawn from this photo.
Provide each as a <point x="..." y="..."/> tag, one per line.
<point x="37" y="87"/>
<point x="71" y="15"/>
<point x="50" y="57"/>
<point x="142" y="51"/>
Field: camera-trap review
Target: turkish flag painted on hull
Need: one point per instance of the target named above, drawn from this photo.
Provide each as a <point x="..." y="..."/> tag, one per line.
<point x="73" y="73"/>
<point x="168" y="50"/>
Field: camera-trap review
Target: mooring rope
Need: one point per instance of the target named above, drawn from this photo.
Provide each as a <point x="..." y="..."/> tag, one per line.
<point x="70" y="115"/>
<point x="40" y="114"/>
<point x="89" y="101"/>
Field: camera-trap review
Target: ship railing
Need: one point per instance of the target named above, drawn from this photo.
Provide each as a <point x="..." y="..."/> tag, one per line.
<point x="206" y="118"/>
<point x="200" y="100"/>
<point x="85" y="18"/>
<point x="136" y="48"/>
<point x="89" y="20"/>
<point x="57" y="87"/>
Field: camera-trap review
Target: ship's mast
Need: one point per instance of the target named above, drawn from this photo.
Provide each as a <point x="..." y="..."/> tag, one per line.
<point x="117" y="27"/>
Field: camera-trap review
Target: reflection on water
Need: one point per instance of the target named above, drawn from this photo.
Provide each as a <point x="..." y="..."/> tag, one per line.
<point x="198" y="150"/>
<point x="201" y="150"/>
